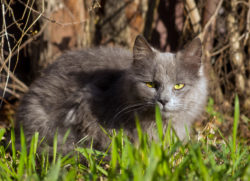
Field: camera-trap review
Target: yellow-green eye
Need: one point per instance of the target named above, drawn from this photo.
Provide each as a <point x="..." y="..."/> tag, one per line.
<point x="178" y="86"/>
<point x="150" y="84"/>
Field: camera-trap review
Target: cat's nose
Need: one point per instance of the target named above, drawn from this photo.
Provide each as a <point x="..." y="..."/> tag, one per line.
<point x="163" y="101"/>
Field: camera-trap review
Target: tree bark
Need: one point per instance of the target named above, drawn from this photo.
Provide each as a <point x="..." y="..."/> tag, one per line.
<point x="66" y="27"/>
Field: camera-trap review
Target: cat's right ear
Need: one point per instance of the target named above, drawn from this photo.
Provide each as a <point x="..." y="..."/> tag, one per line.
<point x="141" y="49"/>
<point x="194" y="48"/>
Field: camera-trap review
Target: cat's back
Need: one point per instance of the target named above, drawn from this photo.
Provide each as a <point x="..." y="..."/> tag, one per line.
<point x="92" y="59"/>
<point x="76" y="69"/>
<point x="68" y="77"/>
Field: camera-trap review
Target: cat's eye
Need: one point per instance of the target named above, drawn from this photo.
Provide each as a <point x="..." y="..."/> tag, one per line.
<point x="150" y="84"/>
<point x="178" y="86"/>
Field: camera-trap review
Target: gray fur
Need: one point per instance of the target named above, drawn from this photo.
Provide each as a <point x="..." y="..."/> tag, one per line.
<point x="105" y="87"/>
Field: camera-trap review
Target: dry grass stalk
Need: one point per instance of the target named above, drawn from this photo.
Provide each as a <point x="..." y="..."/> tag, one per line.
<point x="236" y="52"/>
<point x="193" y="15"/>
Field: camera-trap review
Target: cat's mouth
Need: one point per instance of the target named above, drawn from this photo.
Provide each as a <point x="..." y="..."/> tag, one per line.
<point x="166" y="115"/>
<point x="166" y="112"/>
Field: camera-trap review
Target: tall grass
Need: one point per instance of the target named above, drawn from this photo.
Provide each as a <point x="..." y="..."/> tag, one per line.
<point x="164" y="159"/>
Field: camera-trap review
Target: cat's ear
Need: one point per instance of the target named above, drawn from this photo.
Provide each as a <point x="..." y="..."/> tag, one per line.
<point x="193" y="49"/>
<point x="141" y="49"/>
<point x="190" y="57"/>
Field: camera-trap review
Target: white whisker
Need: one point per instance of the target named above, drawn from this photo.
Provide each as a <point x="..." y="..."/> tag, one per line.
<point x="131" y="108"/>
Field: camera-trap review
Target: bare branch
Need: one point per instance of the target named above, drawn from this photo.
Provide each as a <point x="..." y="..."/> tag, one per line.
<point x="193" y="15"/>
<point x="211" y="20"/>
<point x="10" y="53"/>
<point x="49" y="19"/>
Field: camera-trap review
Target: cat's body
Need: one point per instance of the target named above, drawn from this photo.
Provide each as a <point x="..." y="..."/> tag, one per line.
<point x="104" y="87"/>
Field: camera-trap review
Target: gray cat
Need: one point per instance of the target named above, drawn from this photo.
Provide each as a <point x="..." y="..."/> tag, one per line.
<point x="85" y="91"/>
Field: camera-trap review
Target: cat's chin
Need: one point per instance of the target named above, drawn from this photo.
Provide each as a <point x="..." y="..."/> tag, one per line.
<point x="166" y="115"/>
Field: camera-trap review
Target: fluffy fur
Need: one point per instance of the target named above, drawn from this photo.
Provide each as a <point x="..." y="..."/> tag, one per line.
<point x="104" y="87"/>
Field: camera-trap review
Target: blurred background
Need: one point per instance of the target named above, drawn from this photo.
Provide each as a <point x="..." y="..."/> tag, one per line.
<point x="33" y="33"/>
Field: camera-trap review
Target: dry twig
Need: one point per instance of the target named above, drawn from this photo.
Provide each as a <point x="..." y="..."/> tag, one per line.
<point x="8" y="44"/>
<point x="194" y="15"/>
<point x="211" y="20"/>
<point x="49" y="19"/>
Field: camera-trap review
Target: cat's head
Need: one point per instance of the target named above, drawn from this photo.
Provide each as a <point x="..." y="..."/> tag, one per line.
<point x="174" y="82"/>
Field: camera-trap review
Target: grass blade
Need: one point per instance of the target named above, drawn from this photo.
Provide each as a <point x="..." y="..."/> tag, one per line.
<point x="246" y="175"/>
<point x="66" y="136"/>
<point x="159" y="123"/>
<point x="2" y="131"/>
<point x="54" y="171"/>
<point x="32" y="153"/>
<point x="114" y="155"/>
<point x="235" y="127"/>
<point x="23" y="157"/>
<point x="13" y="146"/>
<point x="139" y="130"/>
<point x="55" y="147"/>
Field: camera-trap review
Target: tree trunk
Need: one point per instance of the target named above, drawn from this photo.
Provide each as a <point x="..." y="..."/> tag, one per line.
<point x="208" y="40"/>
<point x="67" y="26"/>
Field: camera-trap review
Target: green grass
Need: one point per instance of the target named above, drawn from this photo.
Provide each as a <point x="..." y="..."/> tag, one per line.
<point x="165" y="159"/>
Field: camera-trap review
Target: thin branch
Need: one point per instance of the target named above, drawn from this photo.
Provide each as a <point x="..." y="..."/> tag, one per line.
<point x="10" y="52"/>
<point x="16" y="46"/>
<point x="13" y="17"/>
<point x="248" y="23"/>
<point x="49" y="19"/>
<point x="28" y="17"/>
<point x="12" y="86"/>
<point x="211" y="20"/>
<point x="226" y="46"/>
<point x="30" y="39"/>
<point x="243" y="2"/>
<point x="11" y="92"/>
<point x="194" y="15"/>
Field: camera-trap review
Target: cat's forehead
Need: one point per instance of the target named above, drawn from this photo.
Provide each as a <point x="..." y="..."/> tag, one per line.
<point x="166" y="62"/>
<point x="172" y="67"/>
<point x="166" y="57"/>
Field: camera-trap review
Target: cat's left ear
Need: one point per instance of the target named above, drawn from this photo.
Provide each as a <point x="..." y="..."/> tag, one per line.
<point x="193" y="49"/>
<point x="141" y="49"/>
<point x="190" y="56"/>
